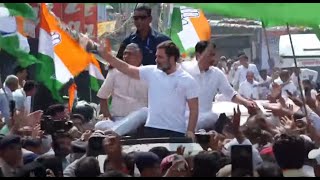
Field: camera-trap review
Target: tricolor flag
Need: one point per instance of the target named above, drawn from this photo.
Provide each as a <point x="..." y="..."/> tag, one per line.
<point x="96" y="77"/>
<point x="61" y="57"/>
<point x="17" y="9"/>
<point x="12" y="36"/>
<point x="188" y="27"/>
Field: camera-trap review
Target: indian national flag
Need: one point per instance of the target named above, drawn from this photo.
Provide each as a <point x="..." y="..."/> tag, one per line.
<point x="17" y="9"/>
<point x="61" y="57"/>
<point x="96" y="77"/>
<point x="188" y="27"/>
<point x="12" y="37"/>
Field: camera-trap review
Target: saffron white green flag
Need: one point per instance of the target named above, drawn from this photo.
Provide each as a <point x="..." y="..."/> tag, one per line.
<point x="13" y="41"/>
<point x="17" y="9"/>
<point x="96" y="77"/>
<point x="61" y="57"/>
<point x="188" y="27"/>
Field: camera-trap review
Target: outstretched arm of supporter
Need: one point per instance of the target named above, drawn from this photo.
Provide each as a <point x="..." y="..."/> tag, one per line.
<point x="193" y="116"/>
<point x="122" y="66"/>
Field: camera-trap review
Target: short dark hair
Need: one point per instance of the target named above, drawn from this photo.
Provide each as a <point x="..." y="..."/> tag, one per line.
<point x="29" y="85"/>
<point x="144" y="8"/>
<point x="18" y="69"/>
<point x="78" y="116"/>
<point x="160" y="151"/>
<point x="289" y="151"/>
<point x="202" y="45"/>
<point x="269" y="169"/>
<point x="171" y="49"/>
<point x="54" y="109"/>
<point x="87" y="167"/>
<point x="206" y="164"/>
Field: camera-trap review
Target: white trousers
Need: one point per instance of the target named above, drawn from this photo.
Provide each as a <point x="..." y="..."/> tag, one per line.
<point x="127" y="124"/>
<point x="206" y="120"/>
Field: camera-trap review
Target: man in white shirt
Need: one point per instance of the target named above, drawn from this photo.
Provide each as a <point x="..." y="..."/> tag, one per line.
<point x="304" y="74"/>
<point x="249" y="87"/>
<point x="286" y="84"/>
<point x="129" y="97"/>
<point x="210" y="80"/>
<point x="264" y="89"/>
<point x="169" y="89"/>
<point x="10" y="84"/>
<point x="23" y="96"/>
<point x="242" y="70"/>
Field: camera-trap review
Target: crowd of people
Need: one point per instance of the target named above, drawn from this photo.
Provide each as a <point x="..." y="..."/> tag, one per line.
<point x="156" y="94"/>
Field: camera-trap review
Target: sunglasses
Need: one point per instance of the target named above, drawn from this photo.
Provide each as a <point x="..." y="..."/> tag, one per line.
<point x="139" y="17"/>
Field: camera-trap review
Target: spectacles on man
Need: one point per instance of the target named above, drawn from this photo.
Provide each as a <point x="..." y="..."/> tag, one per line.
<point x="139" y="17"/>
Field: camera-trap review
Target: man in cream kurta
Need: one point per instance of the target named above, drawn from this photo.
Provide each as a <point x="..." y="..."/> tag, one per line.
<point x="129" y="97"/>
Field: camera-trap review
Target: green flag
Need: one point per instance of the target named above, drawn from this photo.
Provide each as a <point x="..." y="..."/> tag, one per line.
<point x="272" y="14"/>
<point x="17" y="9"/>
<point x="176" y="27"/>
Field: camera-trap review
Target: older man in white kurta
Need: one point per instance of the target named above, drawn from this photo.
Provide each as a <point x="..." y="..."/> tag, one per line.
<point x="129" y="98"/>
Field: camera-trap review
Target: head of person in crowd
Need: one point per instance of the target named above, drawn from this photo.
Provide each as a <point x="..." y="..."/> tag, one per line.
<point x="222" y="64"/>
<point x="12" y="82"/>
<point x="167" y="56"/>
<point x="284" y="75"/>
<point x="58" y="112"/>
<point x="61" y="144"/>
<point x="168" y="162"/>
<point x="132" y="55"/>
<point x="289" y="151"/>
<point x="33" y="145"/>
<point x="21" y="73"/>
<point x="243" y="59"/>
<point x="87" y="111"/>
<point x="160" y="151"/>
<point x="206" y="164"/>
<point x="142" y="18"/>
<point x="229" y="64"/>
<point x="264" y="74"/>
<point x="129" y="161"/>
<point x="148" y="164"/>
<point x="30" y="88"/>
<point x="11" y="150"/>
<point x="296" y="70"/>
<point x="77" y="130"/>
<point x="307" y="84"/>
<point x="200" y="48"/>
<point x="250" y="77"/>
<point x="269" y="169"/>
<point x="87" y="167"/>
<point x="113" y="173"/>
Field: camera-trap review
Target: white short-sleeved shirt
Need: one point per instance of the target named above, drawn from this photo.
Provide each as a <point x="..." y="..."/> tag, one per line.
<point x="128" y="94"/>
<point x="209" y="82"/>
<point x="167" y="97"/>
<point x="249" y="90"/>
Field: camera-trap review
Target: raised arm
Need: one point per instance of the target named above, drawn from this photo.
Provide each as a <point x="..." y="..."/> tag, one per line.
<point x="122" y="66"/>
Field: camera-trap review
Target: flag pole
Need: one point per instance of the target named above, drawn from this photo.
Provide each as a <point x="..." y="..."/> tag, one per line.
<point x="90" y="94"/>
<point x="296" y="66"/>
<point x="266" y="39"/>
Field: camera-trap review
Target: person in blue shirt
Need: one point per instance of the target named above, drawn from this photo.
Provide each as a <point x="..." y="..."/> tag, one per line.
<point x="145" y="36"/>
